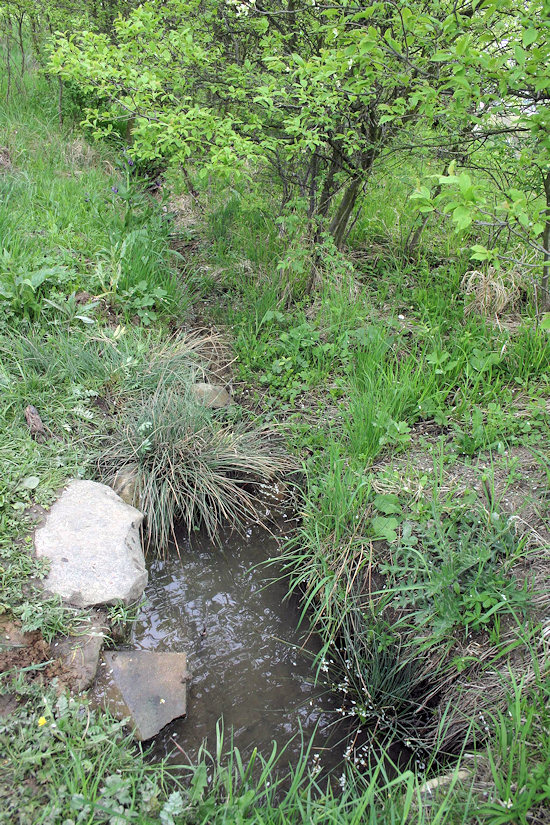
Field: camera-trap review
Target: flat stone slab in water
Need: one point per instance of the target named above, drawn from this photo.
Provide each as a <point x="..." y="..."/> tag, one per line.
<point x="91" y="538"/>
<point x="150" y="688"/>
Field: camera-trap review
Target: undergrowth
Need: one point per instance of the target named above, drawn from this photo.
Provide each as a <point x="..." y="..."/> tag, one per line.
<point x="414" y="419"/>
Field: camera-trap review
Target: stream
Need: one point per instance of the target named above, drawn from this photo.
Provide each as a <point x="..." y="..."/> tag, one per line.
<point x="250" y="663"/>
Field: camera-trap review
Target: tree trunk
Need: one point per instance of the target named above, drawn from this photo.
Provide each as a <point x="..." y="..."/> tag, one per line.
<point x="60" y="101"/>
<point x="8" y="57"/>
<point x="35" y="38"/>
<point x="545" y="285"/>
<point x="326" y="196"/>
<point x="314" y="171"/>
<point x="339" y="222"/>
<point x="21" y="42"/>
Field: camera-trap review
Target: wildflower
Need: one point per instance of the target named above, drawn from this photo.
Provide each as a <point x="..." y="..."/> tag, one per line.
<point x="42" y="721"/>
<point x="114" y="189"/>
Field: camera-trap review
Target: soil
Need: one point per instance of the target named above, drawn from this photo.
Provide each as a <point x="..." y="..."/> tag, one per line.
<point x="5" y="160"/>
<point x="517" y="486"/>
<point x="31" y="655"/>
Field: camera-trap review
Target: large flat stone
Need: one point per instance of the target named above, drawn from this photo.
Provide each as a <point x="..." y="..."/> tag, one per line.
<point x="150" y="688"/>
<point x="91" y="538"/>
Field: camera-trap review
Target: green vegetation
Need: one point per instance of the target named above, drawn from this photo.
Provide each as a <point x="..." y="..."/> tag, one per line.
<point x="389" y="331"/>
<point x="187" y="467"/>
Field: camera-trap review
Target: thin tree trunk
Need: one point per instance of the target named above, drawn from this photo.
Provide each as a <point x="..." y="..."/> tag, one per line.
<point x="21" y="43"/>
<point x="327" y="193"/>
<point x="60" y="102"/>
<point x="346" y="206"/>
<point x="339" y="222"/>
<point x="35" y="39"/>
<point x="8" y="57"/>
<point x="545" y="285"/>
<point x="314" y="170"/>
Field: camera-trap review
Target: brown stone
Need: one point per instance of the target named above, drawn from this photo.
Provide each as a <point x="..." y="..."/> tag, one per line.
<point x="149" y="688"/>
<point x="211" y="395"/>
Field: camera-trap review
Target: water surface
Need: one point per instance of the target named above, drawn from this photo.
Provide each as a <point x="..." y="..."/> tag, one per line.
<point x="250" y="664"/>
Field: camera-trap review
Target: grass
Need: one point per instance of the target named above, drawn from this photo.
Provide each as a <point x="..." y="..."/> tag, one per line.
<point x="64" y="762"/>
<point x="389" y="358"/>
<point x="188" y="467"/>
<point x="421" y="427"/>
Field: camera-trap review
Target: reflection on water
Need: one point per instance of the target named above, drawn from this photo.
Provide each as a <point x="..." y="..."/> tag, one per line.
<point x="243" y="649"/>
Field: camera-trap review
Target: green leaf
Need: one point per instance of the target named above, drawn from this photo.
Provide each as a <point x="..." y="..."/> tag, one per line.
<point x="520" y="55"/>
<point x="479" y="253"/>
<point x="529" y="36"/>
<point x="30" y="483"/>
<point x="387" y="503"/>
<point x="462" y="216"/>
<point x="385" y="528"/>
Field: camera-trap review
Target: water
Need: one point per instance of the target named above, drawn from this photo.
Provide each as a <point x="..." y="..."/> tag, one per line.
<point x="249" y="662"/>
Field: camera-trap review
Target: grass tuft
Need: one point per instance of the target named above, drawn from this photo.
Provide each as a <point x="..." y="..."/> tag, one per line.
<point x="188" y="467"/>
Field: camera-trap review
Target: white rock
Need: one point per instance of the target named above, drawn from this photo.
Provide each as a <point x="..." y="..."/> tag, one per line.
<point x="91" y="538"/>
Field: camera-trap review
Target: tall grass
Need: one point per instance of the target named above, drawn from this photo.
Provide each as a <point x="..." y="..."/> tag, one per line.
<point x="77" y="209"/>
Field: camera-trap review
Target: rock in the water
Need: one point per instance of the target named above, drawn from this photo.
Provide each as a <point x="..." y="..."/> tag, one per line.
<point x="92" y="539"/>
<point x="80" y="654"/>
<point x="211" y="395"/>
<point x="150" y="688"/>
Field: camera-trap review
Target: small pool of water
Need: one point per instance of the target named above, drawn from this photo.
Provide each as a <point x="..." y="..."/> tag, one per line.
<point x="249" y="662"/>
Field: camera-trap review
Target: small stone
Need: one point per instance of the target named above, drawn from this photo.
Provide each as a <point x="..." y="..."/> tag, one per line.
<point x="211" y="395"/>
<point x="98" y="535"/>
<point x="80" y="654"/>
<point x="149" y="688"/>
<point x="443" y="781"/>
<point x="125" y="485"/>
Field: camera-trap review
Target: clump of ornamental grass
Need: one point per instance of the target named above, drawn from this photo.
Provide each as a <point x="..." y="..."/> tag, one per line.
<point x="188" y="467"/>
